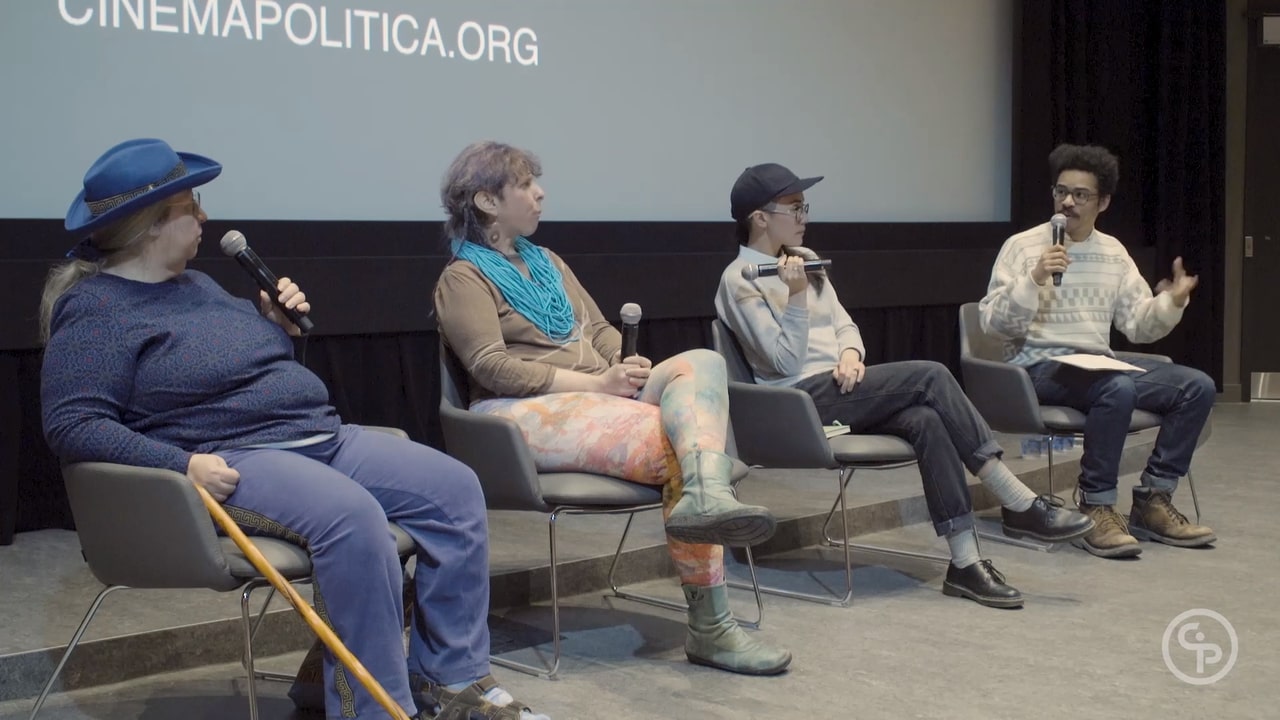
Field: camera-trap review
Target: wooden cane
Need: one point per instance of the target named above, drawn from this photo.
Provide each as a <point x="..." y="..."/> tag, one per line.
<point x="318" y="626"/>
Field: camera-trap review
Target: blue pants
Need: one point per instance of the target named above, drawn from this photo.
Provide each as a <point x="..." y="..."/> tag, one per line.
<point x="335" y="498"/>
<point x="1182" y="395"/>
<point x="922" y="403"/>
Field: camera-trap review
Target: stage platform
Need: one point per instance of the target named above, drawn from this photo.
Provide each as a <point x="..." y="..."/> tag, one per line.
<point x="45" y="587"/>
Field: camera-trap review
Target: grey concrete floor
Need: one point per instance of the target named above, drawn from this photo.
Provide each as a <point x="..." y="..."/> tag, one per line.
<point x="1088" y="643"/>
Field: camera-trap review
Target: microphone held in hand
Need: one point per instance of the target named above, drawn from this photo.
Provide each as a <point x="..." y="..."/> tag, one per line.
<point x="630" y="328"/>
<point x="1059" y="225"/>
<point x="751" y="272"/>
<point x="234" y="245"/>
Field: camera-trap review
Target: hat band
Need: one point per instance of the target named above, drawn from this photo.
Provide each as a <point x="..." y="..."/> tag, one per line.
<point x="97" y="207"/>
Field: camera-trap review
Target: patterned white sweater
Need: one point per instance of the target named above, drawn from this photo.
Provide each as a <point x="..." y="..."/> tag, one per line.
<point x="1102" y="286"/>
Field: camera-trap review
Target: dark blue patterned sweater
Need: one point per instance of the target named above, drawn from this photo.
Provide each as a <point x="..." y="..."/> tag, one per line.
<point x="149" y="373"/>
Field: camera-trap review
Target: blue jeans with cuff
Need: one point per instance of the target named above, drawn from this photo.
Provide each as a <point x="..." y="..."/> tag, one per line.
<point x="1183" y="396"/>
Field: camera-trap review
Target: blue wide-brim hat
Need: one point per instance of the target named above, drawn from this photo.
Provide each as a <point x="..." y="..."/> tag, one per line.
<point x="131" y="176"/>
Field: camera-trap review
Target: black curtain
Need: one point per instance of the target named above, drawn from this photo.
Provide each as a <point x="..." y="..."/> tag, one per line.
<point x="1146" y="79"/>
<point x="32" y="496"/>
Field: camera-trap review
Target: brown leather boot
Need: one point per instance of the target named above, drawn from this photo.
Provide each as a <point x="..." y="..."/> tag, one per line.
<point x="1110" y="536"/>
<point x="1154" y="517"/>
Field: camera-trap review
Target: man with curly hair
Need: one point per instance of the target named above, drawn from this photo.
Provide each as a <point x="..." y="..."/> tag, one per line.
<point x="1100" y="286"/>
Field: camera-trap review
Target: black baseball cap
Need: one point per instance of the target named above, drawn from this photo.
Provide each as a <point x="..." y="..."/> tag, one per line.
<point x="758" y="185"/>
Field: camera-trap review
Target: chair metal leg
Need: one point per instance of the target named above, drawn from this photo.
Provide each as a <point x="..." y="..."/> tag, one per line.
<point x="827" y="599"/>
<point x="1191" y="483"/>
<point x="248" y="647"/>
<point x="840" y="504"/>
<point x="75" y="640"/>
<point x="550" y="670"/>
<point x="546" y="671"/>
<point x="846" y="475"/>
<point x="655" y="601"/>
<point x="253" y="634"/>
<point x="630" y="595"/>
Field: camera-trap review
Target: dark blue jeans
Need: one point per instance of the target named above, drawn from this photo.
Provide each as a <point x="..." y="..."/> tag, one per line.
<point x="922" y="403"/>
<point x="1182" y="395"/>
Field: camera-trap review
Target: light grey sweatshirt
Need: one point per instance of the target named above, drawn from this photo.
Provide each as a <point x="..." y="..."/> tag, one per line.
<point x="783" y="343"/>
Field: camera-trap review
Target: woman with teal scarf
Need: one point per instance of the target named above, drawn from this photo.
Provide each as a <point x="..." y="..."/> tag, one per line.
<point x="539" y="352"/>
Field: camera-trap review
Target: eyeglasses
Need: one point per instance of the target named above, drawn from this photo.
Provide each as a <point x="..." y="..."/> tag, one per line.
<point x="1080" y="195"/>
<point x="799" y="212"/>
<point x="193" y="203"/>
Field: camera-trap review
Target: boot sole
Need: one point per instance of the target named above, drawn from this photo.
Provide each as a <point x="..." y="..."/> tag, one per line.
<point x="733" y="529"/>
<point x="1124" y="551"/>
<point x="776" y="670"/>
<point x="953" y="590"/>
<point x="1145" y="534"/>
<point x="1024" y="534"/>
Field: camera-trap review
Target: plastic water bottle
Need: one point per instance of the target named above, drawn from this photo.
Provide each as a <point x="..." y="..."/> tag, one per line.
<point x="1033" y="446"/>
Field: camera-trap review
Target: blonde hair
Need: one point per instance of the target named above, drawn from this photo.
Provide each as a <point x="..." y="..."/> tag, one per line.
<point x="118" y="237"/>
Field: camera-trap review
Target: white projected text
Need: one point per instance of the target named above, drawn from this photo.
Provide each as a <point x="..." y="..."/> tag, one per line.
<point x="311" y="23"/>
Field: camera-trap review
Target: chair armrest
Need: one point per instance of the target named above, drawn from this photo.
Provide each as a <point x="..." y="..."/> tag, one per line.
<point x="1003" y="394"/>
<point x="777" y="427"/>
<point x="145" y="527"/>
<point x="496" y="450"/>
<point x="1130" y="355"/>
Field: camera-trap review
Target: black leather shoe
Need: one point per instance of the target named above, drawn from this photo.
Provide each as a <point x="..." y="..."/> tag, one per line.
<point x="983" y="584"/>
<point x="1045" y="523"/>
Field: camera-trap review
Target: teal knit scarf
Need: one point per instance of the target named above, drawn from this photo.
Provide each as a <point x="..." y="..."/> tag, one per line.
<point x="541" y="299"/>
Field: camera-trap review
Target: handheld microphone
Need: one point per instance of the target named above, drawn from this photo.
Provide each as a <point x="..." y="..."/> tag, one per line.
<point x="234" y="245"/>
<point x="751" y="272"/>
<point x="1059" y="224"/>
<point x="630" y="328"/>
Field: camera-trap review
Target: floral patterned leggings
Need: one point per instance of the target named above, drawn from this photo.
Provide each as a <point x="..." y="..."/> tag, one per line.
<point x="683" y="407"/>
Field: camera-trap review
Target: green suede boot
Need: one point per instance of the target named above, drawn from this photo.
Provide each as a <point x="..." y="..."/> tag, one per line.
<point x="708" y="513"/>
<point x="715" y="640"/>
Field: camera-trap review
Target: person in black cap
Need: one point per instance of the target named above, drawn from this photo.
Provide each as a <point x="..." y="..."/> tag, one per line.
<point x="795" y="333"/>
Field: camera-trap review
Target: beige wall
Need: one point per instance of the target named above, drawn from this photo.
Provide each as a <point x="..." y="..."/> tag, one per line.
<point x="1237" y="76"/>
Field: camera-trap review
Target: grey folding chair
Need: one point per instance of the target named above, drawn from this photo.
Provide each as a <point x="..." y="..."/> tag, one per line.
<point x="1006" y="398"/>
<point x="143" y="528"/>
<point x="779" y="427"/>
<point x="496" y="450"/>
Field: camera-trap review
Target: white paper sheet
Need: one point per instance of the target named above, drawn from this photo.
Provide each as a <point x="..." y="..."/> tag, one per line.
<point x="1096" y="362"/>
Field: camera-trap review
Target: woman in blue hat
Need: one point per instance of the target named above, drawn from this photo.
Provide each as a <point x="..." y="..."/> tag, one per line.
<point x="795" y="333"/>
<point x="149" y="363"/>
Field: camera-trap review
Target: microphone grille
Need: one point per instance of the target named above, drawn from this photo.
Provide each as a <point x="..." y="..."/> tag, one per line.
<point x="1058" y="220"/>
<point x="233" y="242"/>
<point x="630" y="313"/>
<point x="750" y="272"/>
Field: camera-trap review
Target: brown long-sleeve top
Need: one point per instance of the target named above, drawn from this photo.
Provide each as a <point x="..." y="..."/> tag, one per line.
<point x="504" y="353"/>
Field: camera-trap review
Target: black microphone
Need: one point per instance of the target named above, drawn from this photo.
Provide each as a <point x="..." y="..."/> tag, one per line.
<point x="234" y="245"/>
<point x="630" y="328"/>
<point x="751" y="272"/>
<point x="1059" y="224"/>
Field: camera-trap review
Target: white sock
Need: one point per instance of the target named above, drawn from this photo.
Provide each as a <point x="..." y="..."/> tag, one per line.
<point x="964" y="548"/>
<point x="501" y="697"/>
<point x="1006" y="486"/>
